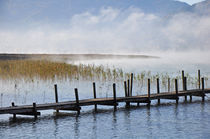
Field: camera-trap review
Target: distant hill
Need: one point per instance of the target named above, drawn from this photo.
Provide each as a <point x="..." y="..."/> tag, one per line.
<point x="24" y="12"/>
<point x="202" y="7"/>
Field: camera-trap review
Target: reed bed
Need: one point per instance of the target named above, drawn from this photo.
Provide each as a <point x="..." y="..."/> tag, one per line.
<point x="30" y="70"/>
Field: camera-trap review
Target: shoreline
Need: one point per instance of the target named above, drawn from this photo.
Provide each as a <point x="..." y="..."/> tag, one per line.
<point x="15" y="56"/>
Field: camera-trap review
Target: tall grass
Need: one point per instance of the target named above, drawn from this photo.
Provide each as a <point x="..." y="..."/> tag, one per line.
<point x="29" y="70"/>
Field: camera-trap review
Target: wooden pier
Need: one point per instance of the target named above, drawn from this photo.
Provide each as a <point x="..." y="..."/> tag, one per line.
<point x="34" y="109"/>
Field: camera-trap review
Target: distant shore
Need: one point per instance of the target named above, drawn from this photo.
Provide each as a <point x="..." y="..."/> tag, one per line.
<point x="6" y="56"/>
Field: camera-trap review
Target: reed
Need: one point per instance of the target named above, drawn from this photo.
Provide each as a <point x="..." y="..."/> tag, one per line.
<point x="30" y="70"/>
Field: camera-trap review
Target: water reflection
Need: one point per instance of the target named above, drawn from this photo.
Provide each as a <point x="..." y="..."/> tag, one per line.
<point x="94" y="128"/>
<point x="55" y="127"/>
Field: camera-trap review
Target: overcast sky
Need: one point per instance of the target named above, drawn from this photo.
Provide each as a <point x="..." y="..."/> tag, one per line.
<point x="111" y="30"/>
<point x="191" y="1"/>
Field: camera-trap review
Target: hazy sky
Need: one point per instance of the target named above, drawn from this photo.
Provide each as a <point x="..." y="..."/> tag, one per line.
<point x="191" y="1"/>
<point x="110" y="30"/>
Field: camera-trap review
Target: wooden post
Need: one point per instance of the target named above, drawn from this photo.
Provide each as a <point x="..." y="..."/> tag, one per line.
<point x="131" y="87"/>
<point x="203" y="94"/>
<point x="94" y="94"/>
<point x="125" y="87"/>
<point x="148" y="91"/>
<point x="14" y="115"/>
<point x="183" y="85"/>
<point x="114" y="96"/>
<point x="158" y="90"/>
<point x="199" y="79"/>
<point x="77" y="100"/>
<point x="190" y="94"/>
<point x="169" y="85"/>
<point x="56" y="95"/>
<point x="128" y="92"/>
<point x="176" y="88"/>
<point x="35" y="110"/>
<point x="185" y="81"/>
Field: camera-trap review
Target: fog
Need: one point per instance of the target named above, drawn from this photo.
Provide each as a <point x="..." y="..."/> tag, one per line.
<point x="113" y="31"/>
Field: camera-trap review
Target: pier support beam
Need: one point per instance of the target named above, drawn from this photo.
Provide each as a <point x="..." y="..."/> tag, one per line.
<point x="56" y="96"/>
<point x="176" y="89"/>
<point x="114" y="97"/>
<point x="185" y="87"/>
<point x="148" y="95"/>
<point x="126" y="93"/>
<point x="131" y="85"/>
<point x="158" y="90"/>
<point x="203" y="94"/>
<point x="94" y="94"/>
<point x="199" y="79"/>
<point x="14" y="115"/>
<point x="169" y="85"/>
<point x="77" y="101"/>
<point x="34" y="111"/>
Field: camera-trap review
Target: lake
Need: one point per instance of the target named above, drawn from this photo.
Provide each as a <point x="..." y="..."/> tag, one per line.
<point x="185" y="120"/>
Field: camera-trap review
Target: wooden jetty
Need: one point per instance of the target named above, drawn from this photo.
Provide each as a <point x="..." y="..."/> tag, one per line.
<point x="34" y="109"/>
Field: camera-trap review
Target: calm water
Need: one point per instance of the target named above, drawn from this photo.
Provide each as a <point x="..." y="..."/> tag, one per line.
<point x="185" y="120"/>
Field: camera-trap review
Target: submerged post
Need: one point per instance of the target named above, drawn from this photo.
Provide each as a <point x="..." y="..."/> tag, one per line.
<point x="14" y="115"/>
<point x="176" y="89"/>
<point x="199" y="79"/>
<point x="94" y="94"/>
<point x="131" y="87"/>
<point x="77" y="100"/>
<point x="35" y="110"/>
<point x="56" y="95"/>
<point x="148" y="92"/>
<point x="114" y="96"/>
<point x="203" y="94"/>
<point x="158" y="90"/>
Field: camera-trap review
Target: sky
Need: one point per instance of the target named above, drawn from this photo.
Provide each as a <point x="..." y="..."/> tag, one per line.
<point x="191" y="1"/>
<point x="110" y="30"/>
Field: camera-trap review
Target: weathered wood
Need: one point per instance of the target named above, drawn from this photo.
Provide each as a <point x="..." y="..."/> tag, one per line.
<point x="199" y="79"/>
<point x="77" y="100"/>
<point x="128" y="94"/>
<point x="128" y="83"/>
<point x="125" y="87"/>
<point x="30" y="114"/>
<point x="114" y="96"/>
<point x="169" y="85"/>
<point x="71" y="109"/>
<point x="131" y="85"/>
<point x="34" y="110"/>
<point x="183" y="82"/>
<point x="158" y="89"/>
<point x="14" y="115"/>
<point x="148" y="91"/>
<point x="75" y="105"/>
<point x="203" y="94"/>
<point x="56" y="95"/>
<point x="185" y="87"/>
<point x="176" y="89"/>
<point x="94" y="94"/>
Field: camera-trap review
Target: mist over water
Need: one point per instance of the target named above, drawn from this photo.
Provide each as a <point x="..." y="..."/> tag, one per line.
<point x="179" y="41"/>
<point x="113" y="31"/>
